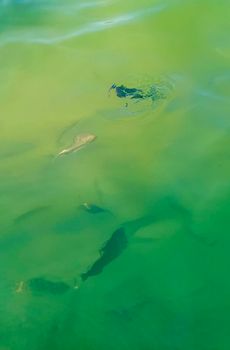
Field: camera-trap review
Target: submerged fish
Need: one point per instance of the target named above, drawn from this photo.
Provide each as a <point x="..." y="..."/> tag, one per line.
<point x="15" y="149"/>
<point x="79" y="142"/>
<point x="30" y="214"/>
<point x="158" y="89"/>
<point x="123" y="91"/>
<point x="111" y="250"/>
<point x="92" y="208"/>
<point x="43" y="286"/>
<point x="20" y="287"/>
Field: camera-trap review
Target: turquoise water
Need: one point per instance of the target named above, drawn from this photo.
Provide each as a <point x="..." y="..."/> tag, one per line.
<point x="124" y="244"/>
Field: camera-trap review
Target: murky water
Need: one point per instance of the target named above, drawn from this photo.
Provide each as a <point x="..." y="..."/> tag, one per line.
<point x="123" y="244"/>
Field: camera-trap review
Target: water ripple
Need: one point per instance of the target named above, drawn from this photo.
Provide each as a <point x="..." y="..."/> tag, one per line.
<point x="97" y="26"/>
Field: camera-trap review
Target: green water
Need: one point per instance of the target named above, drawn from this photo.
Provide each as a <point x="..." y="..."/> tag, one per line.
<point x="160" y="170"/>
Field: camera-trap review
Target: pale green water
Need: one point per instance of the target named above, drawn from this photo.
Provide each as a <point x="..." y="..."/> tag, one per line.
<point x="160" y="170"/>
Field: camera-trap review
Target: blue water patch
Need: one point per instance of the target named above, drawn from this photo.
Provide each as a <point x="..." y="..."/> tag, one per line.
<point x="46" y="37"/>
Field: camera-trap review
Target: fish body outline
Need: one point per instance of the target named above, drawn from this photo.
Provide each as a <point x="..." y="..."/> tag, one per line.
<point x="79" y="142"/>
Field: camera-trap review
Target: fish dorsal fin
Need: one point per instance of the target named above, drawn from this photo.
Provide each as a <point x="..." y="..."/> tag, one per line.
<point x="77" y="139"/>
<point x="82" y="139"/>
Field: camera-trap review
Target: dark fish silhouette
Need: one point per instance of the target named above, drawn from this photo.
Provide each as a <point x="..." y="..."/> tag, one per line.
<point x="158" y="90"/>
<point x="164" y="208"/>
<point x="43" y="286"/>
<point x="92" y="208"/>
<point x="15" y="149"/>
<point x="30" y="214"/>
<point x="111" y="250"/>
<point x="123" y="91"/>
<point x="130" y="312"/>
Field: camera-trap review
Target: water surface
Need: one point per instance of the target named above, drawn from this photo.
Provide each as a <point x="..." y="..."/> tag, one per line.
<point x="159" y="170"/>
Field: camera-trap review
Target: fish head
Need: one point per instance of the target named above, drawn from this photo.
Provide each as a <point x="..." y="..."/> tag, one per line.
<point x="63" y="152"/>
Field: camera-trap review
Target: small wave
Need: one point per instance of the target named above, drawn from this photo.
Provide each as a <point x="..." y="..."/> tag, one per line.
<point x="28" y="38"/>
<point x="72" y="9"/>
<point x="211" y="94"/>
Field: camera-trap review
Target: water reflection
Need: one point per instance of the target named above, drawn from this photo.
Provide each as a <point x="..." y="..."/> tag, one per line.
<point x="92" y="27"/>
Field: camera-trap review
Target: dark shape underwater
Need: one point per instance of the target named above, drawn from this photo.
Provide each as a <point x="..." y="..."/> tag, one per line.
<point x="30" y="214"/>
<point x="110" y="251"/>
<point x="41" y="285"/>
<point x="92" y="208"/>
<point x="155" y="91"/>
<point x="123" y="91"/>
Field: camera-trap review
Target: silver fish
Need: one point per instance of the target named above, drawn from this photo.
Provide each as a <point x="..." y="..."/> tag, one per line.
<point x="79" y="142"/>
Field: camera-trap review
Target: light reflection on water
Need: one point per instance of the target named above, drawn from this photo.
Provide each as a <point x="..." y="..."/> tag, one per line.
<point x="92" y="27"/>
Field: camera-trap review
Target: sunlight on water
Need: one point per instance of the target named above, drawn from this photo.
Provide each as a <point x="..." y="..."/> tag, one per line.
<point x="114" y="175"/>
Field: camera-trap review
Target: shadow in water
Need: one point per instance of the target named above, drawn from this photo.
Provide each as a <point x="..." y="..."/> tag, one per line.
<point x="44" y="286"/>
<point x="30" y="214"/>
<point x="111" y="250"/>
